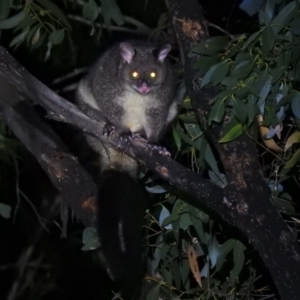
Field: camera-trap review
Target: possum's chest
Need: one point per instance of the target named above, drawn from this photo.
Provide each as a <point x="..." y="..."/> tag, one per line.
<point x="135" y="107"/>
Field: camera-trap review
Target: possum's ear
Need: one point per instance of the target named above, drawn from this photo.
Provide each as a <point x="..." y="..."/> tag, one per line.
<point x="163" y="52"/>
<point x="127" y="52"/>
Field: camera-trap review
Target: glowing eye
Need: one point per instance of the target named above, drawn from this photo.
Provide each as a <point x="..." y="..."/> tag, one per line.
<point x="135" y="74"/>
<point x="152" y="75"/>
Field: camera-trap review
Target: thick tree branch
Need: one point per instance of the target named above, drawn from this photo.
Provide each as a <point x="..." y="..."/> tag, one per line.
<point x="16" y="85"/>
<point x="246" y="194"/>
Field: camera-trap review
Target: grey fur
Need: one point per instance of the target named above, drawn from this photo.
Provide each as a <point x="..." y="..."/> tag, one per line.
<point x="144" y="106"/>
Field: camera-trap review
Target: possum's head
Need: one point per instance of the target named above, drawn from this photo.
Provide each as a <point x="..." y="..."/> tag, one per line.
<point x="144" y="68"/>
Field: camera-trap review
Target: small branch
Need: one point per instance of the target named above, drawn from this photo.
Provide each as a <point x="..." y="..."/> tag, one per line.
<point x="232" y="37"/>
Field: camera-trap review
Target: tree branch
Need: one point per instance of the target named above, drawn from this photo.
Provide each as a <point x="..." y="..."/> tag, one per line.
<point x="247" y="194"/>
<point x="16" y="85"/>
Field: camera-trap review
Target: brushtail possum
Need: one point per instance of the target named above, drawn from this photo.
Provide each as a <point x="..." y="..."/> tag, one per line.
<point x="131" y="87"/>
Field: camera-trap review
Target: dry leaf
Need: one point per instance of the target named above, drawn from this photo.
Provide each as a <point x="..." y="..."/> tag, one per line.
<point x="194" y="264"/>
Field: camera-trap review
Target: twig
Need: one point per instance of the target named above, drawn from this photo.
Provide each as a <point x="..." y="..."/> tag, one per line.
<point x="220" y="29"/>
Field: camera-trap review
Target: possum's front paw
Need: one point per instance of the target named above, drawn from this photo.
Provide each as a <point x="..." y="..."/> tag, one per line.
<point x="109" y="130"/>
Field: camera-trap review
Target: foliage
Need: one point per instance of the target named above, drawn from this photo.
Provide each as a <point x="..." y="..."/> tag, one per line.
<point x="258" y="77"/>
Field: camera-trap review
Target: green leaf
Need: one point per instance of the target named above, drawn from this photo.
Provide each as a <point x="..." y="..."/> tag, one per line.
<point x="185" y="221"/>
<point x="153" y="294"/>
<point x="269" y="10"/>
<point x="295" y="105"/>
<point x="293" y="139"/>
<point x="234" y="49"/>
<point x="240" y="110"/>
<point x="220" y="72"/>
<point x="285" y="16"/>
<point x="218" y="178"/>
<point x="19" y="38"/>
<point x="295" y="26"/>
<point x="4" y="9"/>
<point x="252" y="108"/>
<point x="184" y="270"/>
<point x="217" y="112"/>
<point x="212" y="46"/>
<point x="210" y="158"/>
<point x="55" y="10"/>
<point x="277" y="73"/>
<point x="57" y="36"/>
<point x="111" y="10"/>
<point x="243" y="69"/>
<point x="177" y="138"/>
<point x="90" y="10"/>
<point x="176" y="273"/>
<point x="232" y="134"/>
<point x="204" y="64"/>
<point x="5" y="210"/>
<point x="268" y="39"/>
<point x="49" y="48"/>
<point x="238" y="260"/>
<point x="292" y="162"/>
<point x="207" y="77"/>
<point x="254" y="37"/>
<point x="90" y="239"/>
<point x="12" y="21"/>
<point x="224" y="250"/>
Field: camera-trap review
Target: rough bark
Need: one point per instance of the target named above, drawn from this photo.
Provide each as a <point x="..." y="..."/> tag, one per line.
<point x="17" y="86"/>
<point x="246" y="197"/>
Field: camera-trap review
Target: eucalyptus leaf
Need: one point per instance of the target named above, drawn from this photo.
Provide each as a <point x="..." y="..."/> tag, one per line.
<point x="253" y="37"/>
<point x="5" y="210"/>
<point x="220" y="72"/>
<point x="252" y="108"/>
<point x="13" y="21"/>
<point x="184" y="270"/>
<point x="295" y="26"/>
<point x="90" y="10"/>
<point x="207" y="77"/>
<point x="57" y="36"/>
<point x="268" y="39"/>
<point x="224" y="250"/>
<point x="234" y="49"/>
<point x="219" y="179"/>
<point x="212" y="46"/>
<point x="153" y="294"/>
<point x="285" y="16"/>
<point x="162" y="216"/>
<point x="293" y="138"/>
<point x="240" y="110"/>
<point x="238" y="260"/>
<point x="176" y="273"/>
<point x="213" y="251"/>
<point x="90" y="239"/>
<point x="293" y="160"/>
<point x="232" y="134"/>
<point x="217" y="112"/>
<point x="4" y="9"/>
<point x="210" y="158"/>
<point x="177" y="138"/>
<point x="204" y="64"/>
<point x="19" y="38"/>
<point x="111" y="10"/>
<point x="185" y="221"/>
<point x="295" y="105"/>
<point x="269" y="10"/>
<point x="55" y="11"/>
<point x="49" y="48"/>
<point x="277" y="73"/>
<point x="242" y="70"/>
